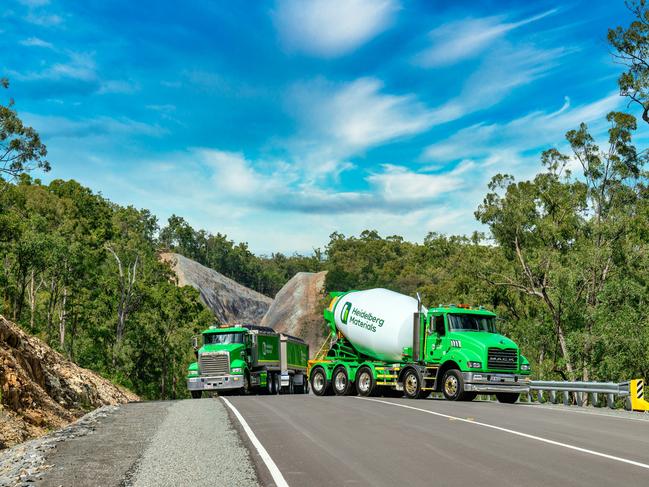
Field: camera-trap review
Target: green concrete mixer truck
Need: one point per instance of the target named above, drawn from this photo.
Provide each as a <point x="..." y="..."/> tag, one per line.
<point x="248" y="359"/>
<point x="383" y="342"/>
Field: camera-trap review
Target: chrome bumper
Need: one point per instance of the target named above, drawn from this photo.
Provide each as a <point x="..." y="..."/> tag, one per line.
<point x="215" y="383"/>
<point x="492" y="383"/>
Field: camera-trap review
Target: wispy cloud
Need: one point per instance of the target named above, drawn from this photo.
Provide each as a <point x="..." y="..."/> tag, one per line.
<point x="330" y="28"/>
<point x="533" y="130"/>
<point x="464" y="39"/>
<point x="78" y="65"/>
<point x="55" y="127"/>
<point x="36" y="42"/>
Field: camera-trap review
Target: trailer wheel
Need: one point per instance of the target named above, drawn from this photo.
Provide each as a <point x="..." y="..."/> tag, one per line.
<point x="197" y="394"/>
<point x="453" y="385"/>
<point x="319" y="382"/>
<point x="305" y="387"/>
<point x="365" y="383"/>
<point x="340" y="381"/>
<point x="507" y="397"/>
<point x="291" y="386"/>
<point x="277" y="381"/>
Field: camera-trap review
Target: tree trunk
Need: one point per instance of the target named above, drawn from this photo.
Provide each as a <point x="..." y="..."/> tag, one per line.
<point x="564" y="352"/>
<point x="62" y="319"/>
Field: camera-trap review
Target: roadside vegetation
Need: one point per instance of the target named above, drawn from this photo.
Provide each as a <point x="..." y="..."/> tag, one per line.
<point x="565" y="260"/>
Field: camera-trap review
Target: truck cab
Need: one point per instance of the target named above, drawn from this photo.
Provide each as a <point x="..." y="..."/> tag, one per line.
<point x="473" y="357"/>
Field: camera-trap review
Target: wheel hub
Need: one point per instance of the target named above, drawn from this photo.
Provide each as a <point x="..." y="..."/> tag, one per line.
<point x="341" y="381"/>
<point x="318" y="382"/>
<point x="364" y="382"/>
<point x="411" y="384"/>
<point x="450" y="385"/>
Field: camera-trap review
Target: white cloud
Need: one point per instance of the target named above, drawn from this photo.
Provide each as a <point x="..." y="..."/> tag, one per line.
<point x="340" y="120"/>
<point x="36" y="42"/>
<point x="463" y="39"/>
<point x="79" y="66"/>
<point x="530" y="131"/>
<point x="330" y="28"/>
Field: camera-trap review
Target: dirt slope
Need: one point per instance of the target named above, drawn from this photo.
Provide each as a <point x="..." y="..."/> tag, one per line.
<point x="230" y="301"/>
<point x="41" y="390"/>
<point x="297" y="309"/>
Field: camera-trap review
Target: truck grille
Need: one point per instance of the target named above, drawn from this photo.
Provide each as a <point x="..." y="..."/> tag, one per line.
<point x="506" y="359"/>
<point x="215" y="364"/>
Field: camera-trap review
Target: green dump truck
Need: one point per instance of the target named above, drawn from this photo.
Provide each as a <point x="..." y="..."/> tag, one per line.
<point x="248" y="359"/>
<point x="387" y="343"/>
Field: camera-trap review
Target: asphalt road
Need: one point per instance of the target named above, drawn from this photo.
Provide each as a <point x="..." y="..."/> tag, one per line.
<point x="334" y="441"/>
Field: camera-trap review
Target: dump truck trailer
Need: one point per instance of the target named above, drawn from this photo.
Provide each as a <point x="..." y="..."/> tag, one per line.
<point x="248" y="359"/>
<point x="383" y="342"/>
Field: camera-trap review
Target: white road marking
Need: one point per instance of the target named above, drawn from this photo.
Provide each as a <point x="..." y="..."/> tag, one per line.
<point x="278" y="478"/>
<point x="513" y="432"/>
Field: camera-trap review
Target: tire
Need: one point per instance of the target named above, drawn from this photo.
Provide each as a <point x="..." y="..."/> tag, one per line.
<point x="412" y="384"/>
<point x="507" y="397"/>
<point x="269" y="383"/>
<point x="277" y="381"/>
<point x="365" y="383"/>
<point x="340" y="381"/>
<point x="245" y="390"/>
<point x="453" y="385"/>
<point x="305" y="389"/>
<point x="197" y="394"/>
<point x="319" y="383"/>
<point x="291" y="386"/>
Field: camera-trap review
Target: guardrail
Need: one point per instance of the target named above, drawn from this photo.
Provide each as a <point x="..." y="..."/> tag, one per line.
<point x="594" y="393"/>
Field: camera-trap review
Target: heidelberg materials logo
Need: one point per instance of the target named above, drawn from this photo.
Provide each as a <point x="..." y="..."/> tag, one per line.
<point x="360" y="318"/>
<point x="345" y="314"/>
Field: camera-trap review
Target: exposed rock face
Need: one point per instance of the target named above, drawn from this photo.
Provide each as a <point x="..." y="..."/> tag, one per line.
<point x="41" y="389"/>
<point x="297" y="309"/>
<point x="229" y="301"/>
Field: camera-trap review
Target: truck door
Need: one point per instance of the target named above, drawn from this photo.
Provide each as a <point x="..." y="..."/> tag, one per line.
<point x="436" y="337"/>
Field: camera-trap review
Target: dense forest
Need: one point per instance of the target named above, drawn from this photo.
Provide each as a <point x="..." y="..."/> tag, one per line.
<point x="564" y="259"/>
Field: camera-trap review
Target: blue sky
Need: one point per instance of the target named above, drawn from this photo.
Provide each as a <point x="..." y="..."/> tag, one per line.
<point x="281" y="122"/>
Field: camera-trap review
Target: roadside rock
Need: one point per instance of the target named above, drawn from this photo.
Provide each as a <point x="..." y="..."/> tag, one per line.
<point x="297" y="309"/>
<point x="231" y="302"/>
<point x="41" y="390"/>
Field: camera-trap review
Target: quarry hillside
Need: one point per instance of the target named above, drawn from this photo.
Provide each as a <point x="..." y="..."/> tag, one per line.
<point x="41" y="390"/>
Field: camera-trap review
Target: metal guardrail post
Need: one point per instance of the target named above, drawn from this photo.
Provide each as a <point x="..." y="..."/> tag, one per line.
<point x="566" y="398"/>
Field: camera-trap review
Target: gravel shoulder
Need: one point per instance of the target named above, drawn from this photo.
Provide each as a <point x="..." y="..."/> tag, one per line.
<point x="205" y="449"/>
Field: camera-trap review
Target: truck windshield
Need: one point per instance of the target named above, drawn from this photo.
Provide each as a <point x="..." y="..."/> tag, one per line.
<point x="222" y="338"/>
<point x="470" y="322"/>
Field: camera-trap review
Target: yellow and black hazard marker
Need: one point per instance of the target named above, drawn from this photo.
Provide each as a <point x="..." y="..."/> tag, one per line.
<point x="636" y="392"/>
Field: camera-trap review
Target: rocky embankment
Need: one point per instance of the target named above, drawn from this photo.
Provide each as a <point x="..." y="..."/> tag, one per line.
<point x="230" y="301"/>
<point x="41" y="390"/>
<point x="297" y="309"/>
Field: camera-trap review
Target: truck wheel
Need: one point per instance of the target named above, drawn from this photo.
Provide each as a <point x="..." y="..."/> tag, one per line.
<point x="507" y="397"/>
<point x="277" y="381"/>
<point x="319" y="382"/>
<point x="340" y="381"/>
<point x="365" y="383"/>
<point x="412" y="384"/>
<point x="197" y="394"/>
<point x="291" y="386"/>
<point x="305" y="389"/>
<point x="453" y="385"/>
<point x="245" y="390"/>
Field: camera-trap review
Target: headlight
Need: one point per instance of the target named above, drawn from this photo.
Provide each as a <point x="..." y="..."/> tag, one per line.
<point x="525" y="367"/>
<point x="474" y="365"/>
<point x="236" y="370"/>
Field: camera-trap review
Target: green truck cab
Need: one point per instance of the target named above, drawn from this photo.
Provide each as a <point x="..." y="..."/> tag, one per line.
<point x="248" y="358"/>
<point x="453" y="349"/>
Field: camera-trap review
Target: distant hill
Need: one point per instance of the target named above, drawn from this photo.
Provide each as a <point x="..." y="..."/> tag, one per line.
<point x="297" y="309"/>
<point x="230" y="301"/>
<point x="41" y="390"/>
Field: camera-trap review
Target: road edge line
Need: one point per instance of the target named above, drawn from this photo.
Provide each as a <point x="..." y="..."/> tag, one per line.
<point x="514" y="432"/>
<point x="278" y="478"/>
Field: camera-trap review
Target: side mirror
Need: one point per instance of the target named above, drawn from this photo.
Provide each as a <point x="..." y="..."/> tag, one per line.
<point x="195" y="342"/>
